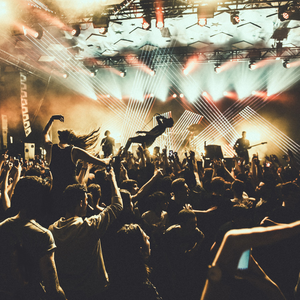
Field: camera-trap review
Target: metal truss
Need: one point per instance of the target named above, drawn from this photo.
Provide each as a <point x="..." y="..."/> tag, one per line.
<point x="133" y="9"/>
<point x="217" y="56"/>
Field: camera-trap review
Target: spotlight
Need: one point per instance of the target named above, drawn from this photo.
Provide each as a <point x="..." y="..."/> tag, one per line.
<point x="286" y="64"/>
<point x="252" y="65"/>
<point x="65" y="75"/>
<point x="159" y="18"/>
<point x="101" y="22"/>
<point x="181" y="95"/>
<point x="217" y="68"/>
<point x="38" y="32"/>
<point x="103" y="30"/>
<point x="152" y="72"/>
<point x="76" y="30"/>
<point x="289" y="11"/>
<point x="235" y="18"/>
<point x="93" y="72"/>
<point x="146" y="25"/>
<point x="122" y="73"/>
<point x="174" y="95"/>
<point x="202" y="22"/>
<point x="204" y="12"/>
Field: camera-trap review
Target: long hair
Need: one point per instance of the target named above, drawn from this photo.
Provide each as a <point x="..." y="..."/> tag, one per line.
<point x="87" y="141"/>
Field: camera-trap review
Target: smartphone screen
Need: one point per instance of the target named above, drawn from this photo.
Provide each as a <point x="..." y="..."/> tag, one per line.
<point x="244" y="260"/>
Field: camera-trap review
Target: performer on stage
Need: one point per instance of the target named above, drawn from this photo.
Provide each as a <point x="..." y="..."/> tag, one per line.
<point x="148" y="139"/>
<point x="241" y="147"/>
<point x="108" y="144"/>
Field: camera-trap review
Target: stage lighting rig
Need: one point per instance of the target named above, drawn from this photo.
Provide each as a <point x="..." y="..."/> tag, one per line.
<point x="235" y="18"/>
<point x="217" y="68"/>
<point x="146" y="25"/>
<point x="75" y="30"/>
<point x="101" y="22"/>
<point x="289" y="11"/>
<point x="204" y="12"/>
<point x="38" y="32"/>
<point x="286" y="64"/>
<point x="252" y="65"/>
<point x="123" y="73"/>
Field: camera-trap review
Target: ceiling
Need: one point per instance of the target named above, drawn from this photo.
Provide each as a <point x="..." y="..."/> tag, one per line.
<point x="126" y="43"/>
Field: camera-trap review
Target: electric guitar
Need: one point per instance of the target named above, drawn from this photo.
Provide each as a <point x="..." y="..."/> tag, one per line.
<point x="240" y="150"/>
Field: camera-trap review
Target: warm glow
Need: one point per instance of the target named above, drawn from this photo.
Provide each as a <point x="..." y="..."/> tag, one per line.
<point x="190" y="65"/>
<point x="202" y="22"/>
<point x="159" y="16"/>
<point x="145" y="24"/>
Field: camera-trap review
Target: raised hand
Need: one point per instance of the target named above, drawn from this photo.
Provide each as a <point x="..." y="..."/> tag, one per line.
<point x="58" y="117"/>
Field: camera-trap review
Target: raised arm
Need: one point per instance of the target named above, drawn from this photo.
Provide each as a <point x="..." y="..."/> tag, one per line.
<point x="235" y="242"/>
<point x="144" y="190"/>
<point x="48" y="127"/>
<point x="78" y="153"/>
<point x="4" y="188"/>
<point x="47" y="143"/>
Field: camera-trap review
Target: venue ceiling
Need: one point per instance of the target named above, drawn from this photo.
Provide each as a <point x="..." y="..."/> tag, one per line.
<point x="219" y="40"/>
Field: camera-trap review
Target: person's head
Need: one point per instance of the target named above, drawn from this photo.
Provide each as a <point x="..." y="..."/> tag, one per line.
<point x="131" y="251"/>
<point x="95" y="190"/>
<point x="29" y="196"/>
<point x="290" y="193"/>
<point x="127" y="202"/>
<point x="187" y="219"/>
<point x="218" y="185"/>
<point x="244" y="134"/>
<point x="169" y="122"/>
<point x="180" y="189"/>
<point x="158" y="201"/>
<point x="107" y="133"/>
<point x="130" y="185"/>
<point x="75" y="199"/>
<point x="65" y="136"/>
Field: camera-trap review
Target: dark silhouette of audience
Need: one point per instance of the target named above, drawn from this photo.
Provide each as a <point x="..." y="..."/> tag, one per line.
<point x="199" y="220"/>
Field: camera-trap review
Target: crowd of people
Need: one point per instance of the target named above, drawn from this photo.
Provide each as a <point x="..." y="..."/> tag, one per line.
<point x="143" y="226"/>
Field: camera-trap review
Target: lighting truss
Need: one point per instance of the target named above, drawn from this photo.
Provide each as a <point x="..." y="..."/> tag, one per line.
<point x="161" y="58"/>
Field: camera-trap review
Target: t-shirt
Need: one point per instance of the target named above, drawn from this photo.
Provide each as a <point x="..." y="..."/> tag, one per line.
<point x="23" y="244"/>
<point x="79" y="259"/>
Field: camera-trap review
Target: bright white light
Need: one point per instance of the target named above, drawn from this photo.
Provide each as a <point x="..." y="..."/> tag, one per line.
<point x="253" y="135"/>
<point x="152" y="72"/>
<point x="174" y="95"/>
<point x="181" y="95"/>
<point x="160" y="25"/>
<point x="185" y="71"/>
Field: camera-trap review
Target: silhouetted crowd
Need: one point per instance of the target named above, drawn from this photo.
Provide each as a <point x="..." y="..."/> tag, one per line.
<point x="140" y="226"/>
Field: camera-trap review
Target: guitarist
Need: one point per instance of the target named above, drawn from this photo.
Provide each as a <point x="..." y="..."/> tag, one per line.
<point x="241" y="147"/>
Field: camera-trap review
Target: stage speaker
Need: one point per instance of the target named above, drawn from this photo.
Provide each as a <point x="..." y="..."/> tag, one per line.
<point x="29" y="151"/>
<point x="213" y="152"/>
